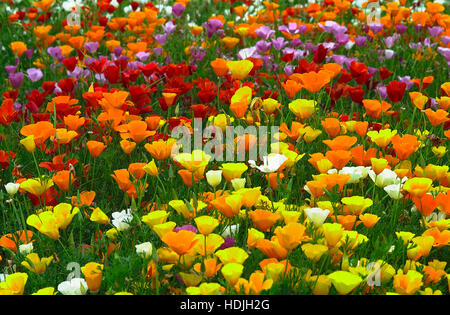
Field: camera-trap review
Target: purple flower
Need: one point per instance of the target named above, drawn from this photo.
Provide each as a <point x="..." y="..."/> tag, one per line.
<point x="16" y="79"/>
<point x="17" y="106"/>
<point x="264" y="32"/>
<point x="339" y="59"/>
<point x="375" y="27"/>
<point x="419" y="28"/>
<point x="289" y="70"/>
<point x="55" y="52"/>
<point x="91" y="47"/>
<point x="435" y="31"/>
<point x="169" y="27"/>
<point x="401" y="28"/>
<point x="279" y="43"/>
<point x="142" y="56"/>
<point x="433" y="104"/>
<point x="381" y="89"/>
<point x="188" y="227"/>
<point x="34" y="74"/>
<point x="76" y="73"/>
<point x="262" y="46"/>
<point x="445" y="40"/>
<point x="390" y="41"/>
<point x="406" y="80"/>
<point x="333" y="27"/>
<point x="161" y="39"/>
<point x="292" y="28"/>
<point x="28" y="53"/>
<point x="302" y="28"/>
<point x="177" y="10"/>
<point x="296" y="42"/>
<point x="157" y="51"/>
<point x="117" y="51"/>
<point x="212" y="26"/>
<point x="445" y="52"/>
<point x="341" y="38"/>
<point x="10" y="69"/>
<point x="229" y="242"/>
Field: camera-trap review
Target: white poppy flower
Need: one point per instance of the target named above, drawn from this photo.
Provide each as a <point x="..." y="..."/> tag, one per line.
<point x="121" y="219"/>
<point x="75" y="286"/>
<point x="271" y="163"/>
<point x="144" y="250"/>
<point x="12" y="188"/>
<point x="316" y="215"/>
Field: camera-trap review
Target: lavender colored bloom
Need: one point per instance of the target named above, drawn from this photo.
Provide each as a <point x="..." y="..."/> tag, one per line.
<point x="389" y="53"/>
<point x="161" y="39"/>
<point x="341" y="38"/>
<point x="16" y="79"/>
<point x="142" y="56"/>
<point x="389" y="41"/>
<point x="246" y="53"/>
<point x="17" y="106"/>
<point x="289" y="70"/>
<point x="445" y="52"/>
<point x="406" y="80"/>
<point x="310" y="46"/>
<point x="76" y="73"/>
<point x="117" y="51"/>
<point x="55" y="52"/>
<point x="445" y="40"/>
<point x="134" y="65"/>
<point x="212" y="26"/>
<point x="333" y="27"/>
<point x="178" y="9"/>
<point x="372" y="70"/>
<point x="381" y="89"/>
<point x="435" y="31"/>
<point x="419" y="28"/>
<point x="262" y="46"/>
<point x="100" y="77"/>
<point x="375" y="27"/>
<point x="28" y="53"/>
<point x="229" y="242"/>
<point x="188" y="227"/>
<point x="279" y="43"/>
<point x="401" y="28"/>
<point x="415" y="46"/>
<point x="433" y="104"/>
<point x="91" y="47"/>
<point x="169" y="27"/>
<point x="10" y="69"/>
<point x="302" y="28"/>
<point x="339" y="59"/>
<point x="296" y="42"/>
<point x="157" y="51"/>
<point x="34" y="74"/>
<point x="264" y="32"/>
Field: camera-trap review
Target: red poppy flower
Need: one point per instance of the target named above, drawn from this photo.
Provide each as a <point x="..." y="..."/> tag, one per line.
<point x="395" y="90"/>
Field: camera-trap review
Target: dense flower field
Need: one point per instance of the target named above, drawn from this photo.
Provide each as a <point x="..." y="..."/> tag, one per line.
<point x="224" y="147"/>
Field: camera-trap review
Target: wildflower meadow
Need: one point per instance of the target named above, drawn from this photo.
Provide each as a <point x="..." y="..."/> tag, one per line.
<point x="224" y="147"/>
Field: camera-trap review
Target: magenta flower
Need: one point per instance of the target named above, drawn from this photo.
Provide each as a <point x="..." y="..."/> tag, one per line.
<point x="34" y="74"/>
<point x="177" y="10"/>
<point x="16" y="79"/>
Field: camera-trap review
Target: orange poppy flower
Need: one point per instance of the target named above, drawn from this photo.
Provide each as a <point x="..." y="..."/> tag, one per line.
<point x="153" y="122"/>
<point x="86" y="199"/>
<point x="160" y="149"/>
<point x="348" y="222"/>
<point x="361" y="157"/>
<point x="229" y="206"/>
<point x="263" y="219"/>
<point x="404" y="146"/>
<point x="314" y="81"/>
<point x="316" y="187"/>
<point x="418" y="99"/>
<point x="180" y="242"/>
<point x="340" y="143"/>
<point x="9" y="240"/>
<point x="374" y="108"/>
<point x="95" y="148"/>
<point x="291" y="88"/>
<point x="441" y="238"/>
<point x="239" y="108"/>
<point x="122" y="178"/>
<point x="219" y="66"/>
<point x="438" y="117"/>
<point x="426" y="203"/>
<point x="369" y="220"/>
<point x="73" y="122"/>
<point x="274" y="178"/>
<point x="335" y="179"/>
<point x="127" y="146"/>
<point x="295" y="130"/>
<point x="136" y="170"/>
<point x="339" y="158"/>
<point x="361" y="128"/>
<point x="42" y="130"/>
<point x="136" y="130"/>
<point x="332" y="126"/>
<point x="61" y="179"/>
<point x="272" y="248"/>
